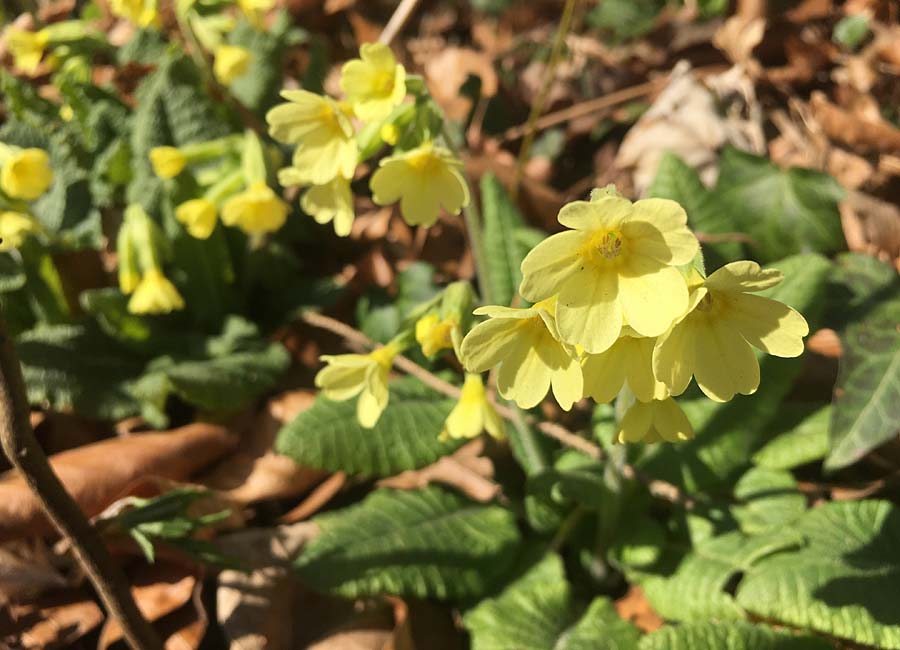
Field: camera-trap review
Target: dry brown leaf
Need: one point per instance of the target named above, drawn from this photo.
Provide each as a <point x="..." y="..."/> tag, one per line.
<point x="53" y="621"/>
<point x="861" y="134"/>
<point x="825" y="342"/>
<point x="449" y="70"/>
<point x="27" y="569"/>
<point x="738" y="36"/>
<point x="635" y="607"/>
<point x="316" y="499"/>
<point x="871" y="226"/>
<point x="96" y="475"/>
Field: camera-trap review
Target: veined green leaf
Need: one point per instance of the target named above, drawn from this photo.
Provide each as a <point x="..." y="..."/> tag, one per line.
<point x="769" y="500"/>
<point x="504" y="251"/>
<point x="733" y="635"/>
<point x="804" y="443"/>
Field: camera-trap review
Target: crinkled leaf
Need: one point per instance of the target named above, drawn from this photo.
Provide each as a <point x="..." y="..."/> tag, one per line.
<point x="768" y="500"/>
<point x="733" y="635"/>
<point x="804" y="443"/>
<point x="503" y="250"/>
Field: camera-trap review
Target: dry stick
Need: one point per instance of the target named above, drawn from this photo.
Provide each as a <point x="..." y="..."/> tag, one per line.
<point x="23" y="450"/>
<point x="398" y="19"/>
<point x="657" y="487"/>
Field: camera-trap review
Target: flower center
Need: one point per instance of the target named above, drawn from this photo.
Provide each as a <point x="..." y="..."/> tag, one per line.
<point x="706" y="303"/>
<point x="605" y="247"/>
<point x="383" y="82"/>
<point x="422" y="162"/>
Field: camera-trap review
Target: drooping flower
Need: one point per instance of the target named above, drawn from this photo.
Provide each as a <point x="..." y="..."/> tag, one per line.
<point x="155" y="294"/>
<point x="256" y="210"/>
<point x="198" y="216"/>
<point x="142" y="13"/>
<point x="616" y="266"/>
<point x="26" y="173"/>
<point x="423" y="179"/>
<point x="435" y="334"/>
<point x="712" y="342"/>
<point x="15" y="228"/>
<point x="27" y="47"/>
<point x="323" y="133"/>
<point x="526" y="345"/>
<point x="473" y="413"/>
<point x="231" y="62"/>
<point x="375" y="83"/>
<point x="331" y="202"/>
<point x="366" y="375"/>
<point x="167" y="162"/>
<point x="655" y="421"/>
<point x="629" y="360"/>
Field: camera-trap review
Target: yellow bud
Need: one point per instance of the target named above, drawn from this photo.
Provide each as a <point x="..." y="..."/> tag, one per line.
<point x="434" y="334"/>
<point x="230" y="63"/>
<point x="155" y="295"/>
<point x="15" y="227"/>
<point x="390" y="133"/>
<point x="167" y="161"/>
<point x="198" y="216"/>
<point x="26" y="174"/>
<point x="256" y="210"/>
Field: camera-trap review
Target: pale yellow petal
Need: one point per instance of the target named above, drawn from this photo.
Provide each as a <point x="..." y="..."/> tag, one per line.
<point x="670" y="422"/>
<point x="493" y="423"/>
<point x="657" y="228"/>
<point x="743" y="276"/>
<point x="636" y="423"/>
<point x="604" y="213"/>
<point x="340" y="383"/>
<point x="549" y="264"/>
<point x="485" y="345"/>
<point x="639" y="369"/>
<point x="673" y="356"/>
<point x="652" y="296"/>
<point x="767" y="324"/>
<point x="567" y="380"/>
<point x="724" y="362"/>
<point x="588" y="311"/>
<point x="604" y="374"/>
<point x="466" y="420"/>
<point x="524" y="377"/>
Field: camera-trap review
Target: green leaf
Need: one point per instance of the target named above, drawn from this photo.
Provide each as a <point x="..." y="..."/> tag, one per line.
<point x="425" y="544"/>
<point x="258" y="88"/>
<point x="850" y="31"/>
<point x="12" y="275"/>
<point x="784" y="212"/>
<point x="625" y="19"/>
<point x="733" y="636"/>
<point x="328" y="435"/>
<point x="503" y="250"/>
<point x="539" y="612"/>
<point x="804" y="443"/>
<point x="769" y="500"/>
<point x="842" y="582"/>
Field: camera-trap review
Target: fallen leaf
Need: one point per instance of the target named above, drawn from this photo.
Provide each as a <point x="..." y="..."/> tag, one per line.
<point x="449" y="70"/>
<point x="738" y="36"/>
<point x="26" y="570"/>
<point x="871" y="226"/>
<point x="55" y="620"/>
<point x="859" y="133"/>
<point x="635" y="607"/>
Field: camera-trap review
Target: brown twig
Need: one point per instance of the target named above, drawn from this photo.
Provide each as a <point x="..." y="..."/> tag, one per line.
<point x="661" y="489"/>
<point x="24" y="452"/>
<point x="398" y="19"/>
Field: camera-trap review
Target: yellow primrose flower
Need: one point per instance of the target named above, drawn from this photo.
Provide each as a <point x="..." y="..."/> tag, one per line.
<point x="254" y="10"/>
<point x="423" y="179"/>
<point x="332" y="202"/>
<point x="434" y="334"/>
<point x="231" y="62"/>
<point x="323" y="132"/>
<point x="26" y="174"/>
<point x="712" y="341"/>
<point x="375" y="83"/>
<point x="167" y="162"/>
<point x="473" y="413"/>
<point x="198" y="216"/>
<point x="526" y="345"/>
<point x="629" y="359"/>
<point x="155" y="295"/>
<point x="366" y="375"/>
<point x="15" y="227"/>
<point x="616" y="266"/>
<point x="256" y="210"/>
<point x="656" y="421"/>
<point x="27" y="47"/>
<point x="142" y="13"/>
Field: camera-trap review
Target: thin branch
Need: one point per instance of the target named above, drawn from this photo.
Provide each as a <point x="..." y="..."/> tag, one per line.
<point x="398" y="20"/>
<point x="23" y="450"/>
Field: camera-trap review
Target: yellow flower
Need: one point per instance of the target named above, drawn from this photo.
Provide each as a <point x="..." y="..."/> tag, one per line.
<point x="142" y="13"/>
<point x="230" y="63"/>
<point x="616" y="266"/>
<point x="389" y="133"/>
<point x="155" y="295"/>
<point x="473" y="413"/>
<point x="332" y="202"/>
<point x="254" y="10"/>
<point x="167" y="162"/>
<point x="15" y="227"/>
<point x="256" y="210"/>
<point x="532" y="359"/>
<point x="434" y="334"/>
<point x="27" y="47"/>
<point x="423" y="179"/>
<point x="322" y="130"/>
<point x="26" y="174"/>
<point x="656" y="421"/>
<point x="374" y="83"/>
<point x="629" y="359"/>
<point x="366" y="375"/>
<point x="712" y="342"/>
<point x="198" y="216"/>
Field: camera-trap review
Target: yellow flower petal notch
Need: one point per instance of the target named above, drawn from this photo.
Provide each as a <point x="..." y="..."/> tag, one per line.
<point x="167" y="162"/>
<point x="473" y="413"/>
<point x="366" y="375"/>
<point x="198" y="217"/>
<point x="435" y="334"/>
<point x="656" y="421"/>
<point x="629" y="360"/>
<point x="15" y="228"/>
<point x="423" y="179"/>
<point x="256" y="210"/>
<point x="375" y="83"/>
<point x="26" y="174"/>
<point x="713" y="341"/>
<point x="616" y="265"/>
<point x="532" y="359"/>
<point x="331" y="202"/>
<point x="231" y="62"/>
<point x="323" y="133"/>
<point x="27" y="48"/>
<point x="155" y="294"/>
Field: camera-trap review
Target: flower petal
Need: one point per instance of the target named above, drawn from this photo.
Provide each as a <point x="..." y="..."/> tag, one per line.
<point x="725" y="362"/>
<point x="487" y="343"/>
<point x="652" y="296"/>
<point x="524" y="377"/>
<point x="657" y="228"/>
<point x="636" y="422"/>
<point x="549" y="264"/>
<point x="639" y="369"/>
<point x="673" y="356"/>
<point x="604" y="374"/>
<point x="588" y="312"/>
<point x="670" y="422"/>
<point x="607" y="212"/>
<point x="767" y="324"/>
<point x="743" y="276"/>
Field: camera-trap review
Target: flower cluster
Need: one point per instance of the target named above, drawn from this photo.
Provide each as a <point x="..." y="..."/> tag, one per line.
<point x="25" y="175"/>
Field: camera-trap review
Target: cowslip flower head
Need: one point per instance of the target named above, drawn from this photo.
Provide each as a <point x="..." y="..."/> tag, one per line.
<point x="198" y="217"/>
<point x="374" y="83"/>
<point x="655" y="421"/>
<point x="155" y="294"/>
<point x="629" y="360"/>
<point x="423" y="179"/>
<point x="616" y="265"/>
<point x="526" y="345"/>
<point x="27" y="48"/>
<point x="435" y="334"/>
<point x="167" y="162"/>
<point x="323" y="132"/>
<point x="142" y="13"/>
<point x="473" y="413"/>
<point x="15" y="228"/>
<point x="26" y="174"/>
<point x="712" y="342"/>
<point x="366" y="375"/>
<point x="230" y="62"/>
<point x="256" y="210"/>
<point x="331" y="202"/>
